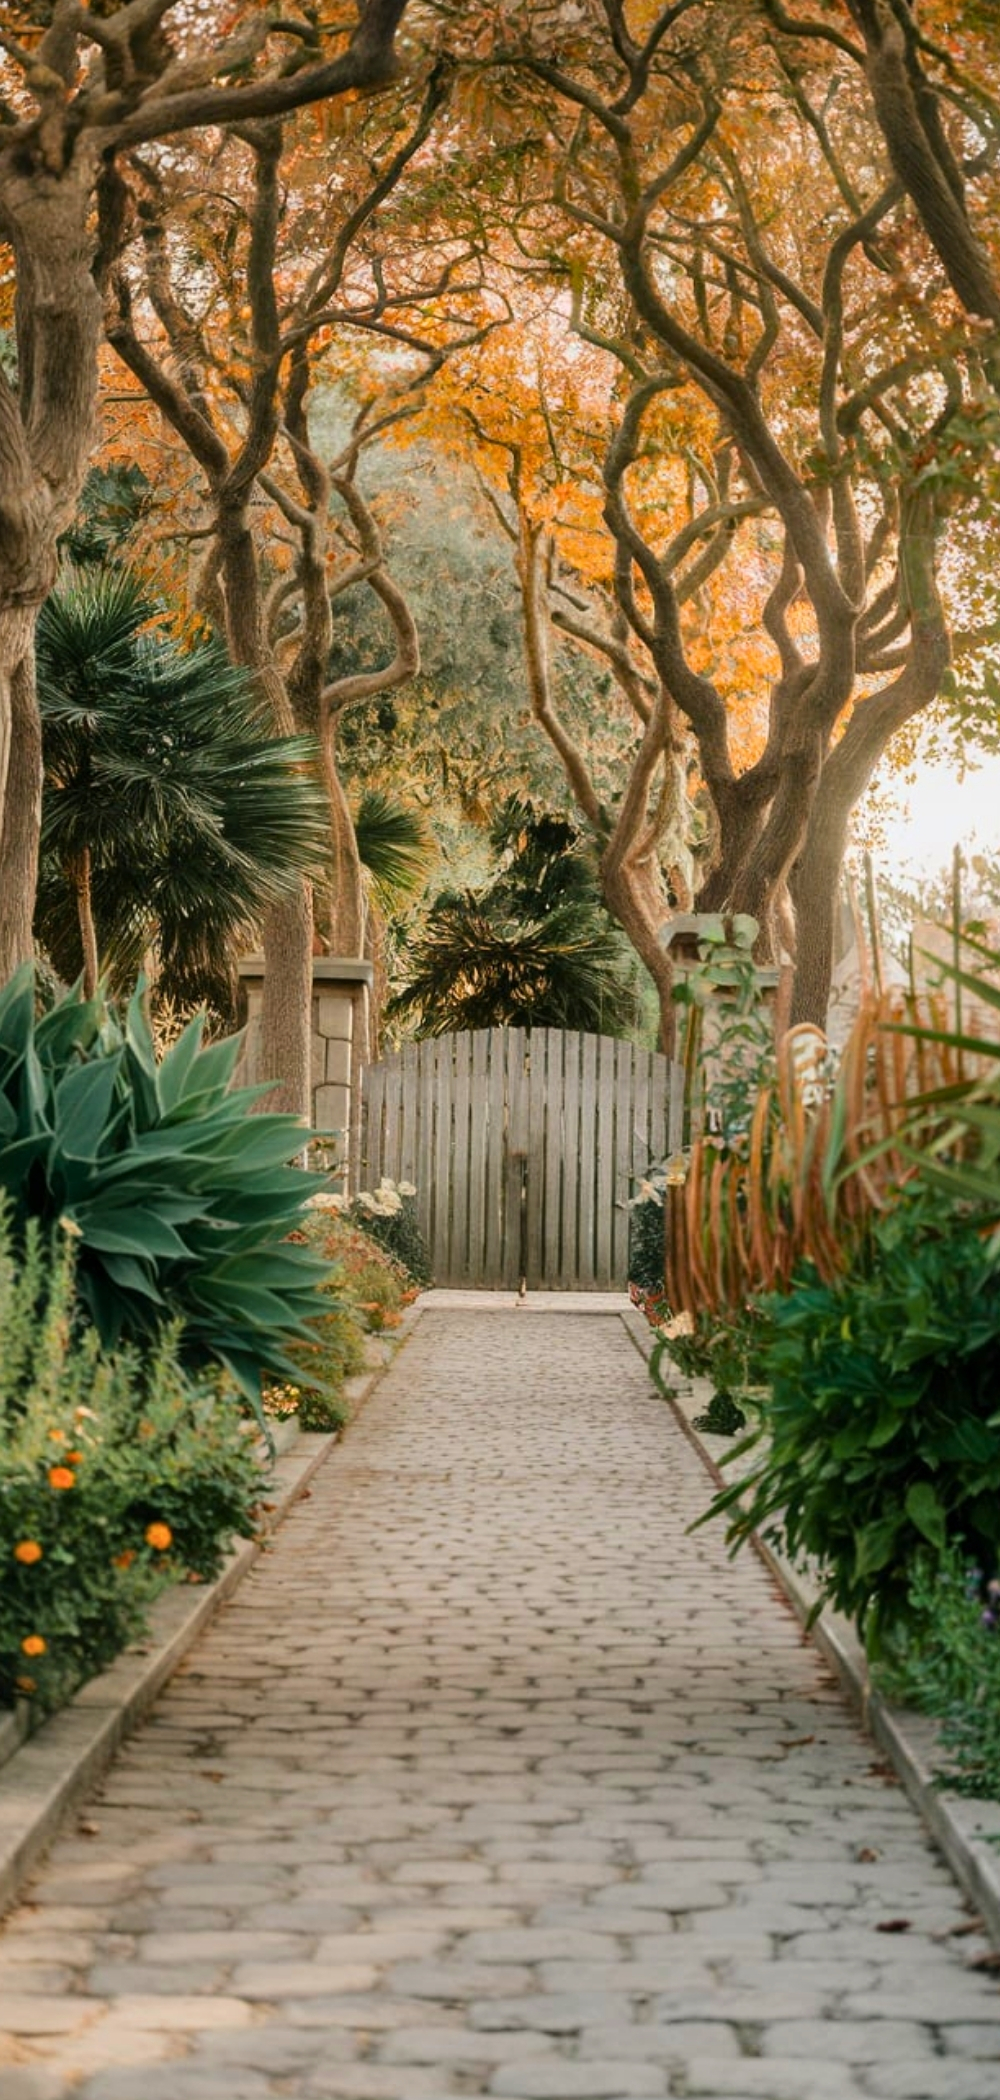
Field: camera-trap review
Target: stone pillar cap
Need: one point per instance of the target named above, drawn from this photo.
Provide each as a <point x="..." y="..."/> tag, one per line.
<point x="326" y="969"/>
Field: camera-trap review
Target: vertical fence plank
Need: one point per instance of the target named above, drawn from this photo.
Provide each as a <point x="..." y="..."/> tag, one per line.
<point x="495" y="1157"/>
<point x="537" y="1061"/>
<point x="462" y="1256"/>
<point x="622" y="1176"/>
<point x="376" y="1081"/>
<point x="659" y="1104"/>
<point x="570" y="1267"/>
<point x="479" y="1142"/>
<point x="419" y="1059"/>
<point x="517" y="1156"/>
<point x="603" y="1269"/>
<point x="560" y="1048"/>
<point x="444" y="1046"/>
<point x="588" y="1172"/>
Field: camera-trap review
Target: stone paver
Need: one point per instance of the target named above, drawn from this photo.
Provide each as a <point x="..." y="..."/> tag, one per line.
<point x="491" y="1780"/>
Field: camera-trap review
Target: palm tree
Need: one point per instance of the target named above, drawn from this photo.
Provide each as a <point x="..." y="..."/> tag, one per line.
<point x="534" y="948"/>
<point x="172" y="816"/>
<point x="396" y="847"/>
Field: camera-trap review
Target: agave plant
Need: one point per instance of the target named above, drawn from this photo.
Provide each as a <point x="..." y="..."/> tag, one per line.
<point x="179" y="1199"/>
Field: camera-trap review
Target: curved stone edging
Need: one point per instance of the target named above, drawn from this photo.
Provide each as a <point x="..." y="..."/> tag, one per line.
<point x="962" y="1829"/>
<point x="48" y="1772"/>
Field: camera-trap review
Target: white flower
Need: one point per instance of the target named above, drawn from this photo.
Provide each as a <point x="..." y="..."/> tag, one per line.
<point x="406" y="1188"/>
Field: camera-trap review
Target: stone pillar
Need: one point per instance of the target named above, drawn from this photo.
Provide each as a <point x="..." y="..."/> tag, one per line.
<point x="340" y="994"/>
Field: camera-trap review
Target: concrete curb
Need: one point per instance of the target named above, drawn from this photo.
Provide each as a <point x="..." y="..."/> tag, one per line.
<point x="49" y="1772"/>
<point x="962" y="1829"/>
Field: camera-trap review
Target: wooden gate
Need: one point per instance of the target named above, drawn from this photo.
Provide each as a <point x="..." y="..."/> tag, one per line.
<point x="524" y="1147"/>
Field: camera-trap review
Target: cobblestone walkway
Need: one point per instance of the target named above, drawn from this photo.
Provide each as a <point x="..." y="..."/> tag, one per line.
<point x="492" y="1781"/>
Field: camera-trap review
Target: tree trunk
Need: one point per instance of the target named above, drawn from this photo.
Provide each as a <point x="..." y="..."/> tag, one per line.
<point x="286" y="1006"/>
<point x="619" y="895"/>
<point x="21" y="803"/>
<point x="347" y="900"/>
<point x="817" y="884"/>
<point x="79" y="875"/>
<point x="285" y="1043"/>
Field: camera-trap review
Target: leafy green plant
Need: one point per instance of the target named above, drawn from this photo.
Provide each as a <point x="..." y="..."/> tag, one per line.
<point x="729" y="1031"/>
<point x="180" y="1200"/>
<point x="388" y="1215"/>
<point x="171" y="811"/>
<point x="949" y="1667"/>
<point x="534" y="947"/>
<point x="365" y="1291"/>
<point x="647" y="1251"/>
<point x="880" y="1438"/>
<point x="119" y="1472"/>
<point x="722" y="1417"/>
<point x="723" y="1351"/>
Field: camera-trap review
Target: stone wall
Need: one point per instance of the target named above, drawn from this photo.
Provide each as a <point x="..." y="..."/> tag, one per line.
<point x="341" y="991"/>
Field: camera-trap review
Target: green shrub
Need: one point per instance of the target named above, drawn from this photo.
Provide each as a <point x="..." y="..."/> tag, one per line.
<point x="366" y="1289"/>
<point x="647" y="1250"/>
<point x="724" y="1351"/>
<point x="118" y="1473"/>
<point x="949" y="1666"/>
<point x="180" y="1200"/>
<point x="388" y="1215"/>
<point x="722" y="1416"/>
<point x="881" y="1432"/>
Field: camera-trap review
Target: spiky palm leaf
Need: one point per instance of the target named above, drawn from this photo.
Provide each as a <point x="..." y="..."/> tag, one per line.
<point x="159" y="762"/>
<point x="396" y="847"/>
<point x="471" y="969"/>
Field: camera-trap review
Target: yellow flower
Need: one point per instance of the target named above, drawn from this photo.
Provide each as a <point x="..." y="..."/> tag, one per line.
<point x="27" y="1551"/>
<point x="33" y="1644"/>
<point x="159" y="1536"/>
<point x="62" y="1477"/>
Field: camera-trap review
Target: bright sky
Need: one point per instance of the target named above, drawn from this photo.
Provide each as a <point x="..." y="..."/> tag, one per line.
<point x="938" y="811"/>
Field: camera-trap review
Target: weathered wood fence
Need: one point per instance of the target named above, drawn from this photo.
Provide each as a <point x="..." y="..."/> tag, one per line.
<point x="524" y="1148"/>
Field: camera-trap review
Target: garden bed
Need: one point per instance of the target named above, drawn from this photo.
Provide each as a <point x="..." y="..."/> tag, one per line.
<point x="47" y="1773"/>
<point x="966" y="1831"/>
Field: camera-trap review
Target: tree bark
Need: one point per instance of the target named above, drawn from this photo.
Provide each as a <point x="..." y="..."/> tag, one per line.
<point x="79" y="875"/>
<point x="286" y="1010"/>
<point x="19" y="834"/>
<point x="286" y="1013"/>
<point x="347" y="900"/>
<point x="643" y="931"/>
<point x="817" y="895"/>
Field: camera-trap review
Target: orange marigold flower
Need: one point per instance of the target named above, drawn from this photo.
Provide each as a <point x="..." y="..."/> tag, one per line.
<point x="124" y="1560"/>
<point x="75" y="1458"/>
<point x="26" y="1684"/>
<point x="57" y="1436"/>
<point x="27" y="1551"/>
<point x="62" y="1477"/>
<point x="33" y="1644"/>
<point x="159" y="1536"/>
